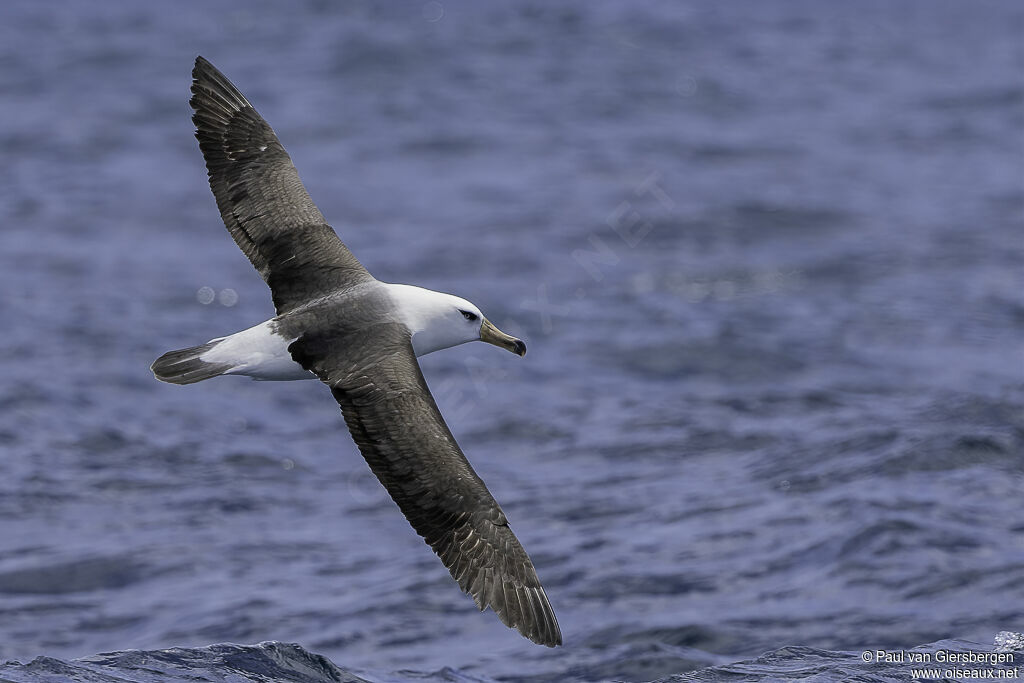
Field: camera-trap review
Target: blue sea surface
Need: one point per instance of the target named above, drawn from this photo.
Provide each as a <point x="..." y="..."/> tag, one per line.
<point x="768" y="259"/>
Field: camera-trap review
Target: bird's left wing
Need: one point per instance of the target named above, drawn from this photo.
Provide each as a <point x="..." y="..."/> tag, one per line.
<point x="394" y="420"/>
<point x="261" y="199"/>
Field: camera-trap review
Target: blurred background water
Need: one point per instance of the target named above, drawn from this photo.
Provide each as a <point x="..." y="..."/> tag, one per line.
<point x="767" y="257"/>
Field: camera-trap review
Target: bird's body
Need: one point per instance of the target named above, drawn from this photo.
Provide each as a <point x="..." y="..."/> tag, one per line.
<point x="261" y="352"/>
<point x="361" y="337"/>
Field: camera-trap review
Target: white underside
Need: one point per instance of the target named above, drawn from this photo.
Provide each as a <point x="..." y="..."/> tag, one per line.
<point x="433" y="319"/>
<point x="257" y="352"/>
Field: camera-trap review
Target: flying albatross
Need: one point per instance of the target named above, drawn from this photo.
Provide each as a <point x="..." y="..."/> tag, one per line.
<point x="361" y="337"/>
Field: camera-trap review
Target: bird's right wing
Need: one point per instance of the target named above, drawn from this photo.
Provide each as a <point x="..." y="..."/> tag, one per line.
<point x="261" y="199"/>
<point x="394" y="420"/>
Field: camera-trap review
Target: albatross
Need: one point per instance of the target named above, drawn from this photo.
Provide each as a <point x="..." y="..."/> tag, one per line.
<point x="361" y="337"/>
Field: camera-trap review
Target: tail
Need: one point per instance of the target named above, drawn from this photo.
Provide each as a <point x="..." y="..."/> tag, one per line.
<point x="186" y="366"/>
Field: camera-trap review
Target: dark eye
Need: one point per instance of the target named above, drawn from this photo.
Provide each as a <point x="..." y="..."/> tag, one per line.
<point x="467" y="315"/>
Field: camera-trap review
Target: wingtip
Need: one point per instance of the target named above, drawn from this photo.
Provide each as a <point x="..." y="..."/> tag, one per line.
<point x="205" y="71"/>
<point x="547" y="632"/>
<point x="535" y="620"/>
<point x="201" y="64"/>
<point x="213" y="94"/>
<point x="547" y="639"/>
<point x="550" y="638"/>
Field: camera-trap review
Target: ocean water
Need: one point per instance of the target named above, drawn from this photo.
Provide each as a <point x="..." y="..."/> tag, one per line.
<point x="273" y="661"/>
<point x="768" y="259"/>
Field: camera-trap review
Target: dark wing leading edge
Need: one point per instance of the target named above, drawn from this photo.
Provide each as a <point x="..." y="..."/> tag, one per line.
<point x="399" y="430"/>
<point x="261" y="199"/>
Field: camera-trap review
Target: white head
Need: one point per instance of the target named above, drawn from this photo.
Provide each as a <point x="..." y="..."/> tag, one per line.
<point x="439" y="321"/>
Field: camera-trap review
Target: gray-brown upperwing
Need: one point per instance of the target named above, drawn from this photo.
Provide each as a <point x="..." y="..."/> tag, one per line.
<point x="261" y="199"/>
<point x="394" y="420"/>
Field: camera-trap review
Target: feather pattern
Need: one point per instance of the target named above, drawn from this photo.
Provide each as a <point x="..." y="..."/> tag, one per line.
<point x="395" y="422"/>
<point x="261" y="199"/>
